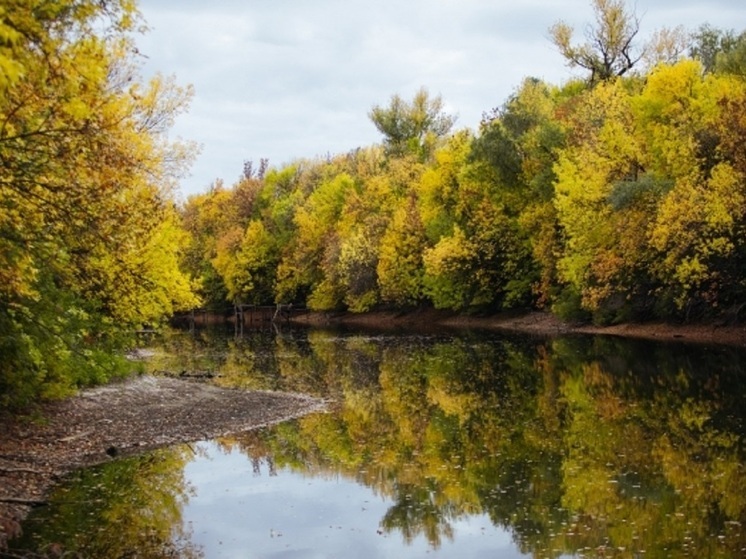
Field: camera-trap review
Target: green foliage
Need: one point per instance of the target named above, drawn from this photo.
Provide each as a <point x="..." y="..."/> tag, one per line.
<point x="519" y="142"/>
<point x="49" y="351"/>
<point x="733" y="61"/>
<point x="412" y="127"/>
<point x="627" y="193"/>
<point x="568" y="306"/>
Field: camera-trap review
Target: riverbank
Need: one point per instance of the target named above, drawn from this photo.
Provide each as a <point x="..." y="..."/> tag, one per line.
<point x="533" y="323"/>
<point x="118" y="420"/>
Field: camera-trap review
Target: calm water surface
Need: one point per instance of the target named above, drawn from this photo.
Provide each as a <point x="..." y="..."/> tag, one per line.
<point x="436" y="445"/>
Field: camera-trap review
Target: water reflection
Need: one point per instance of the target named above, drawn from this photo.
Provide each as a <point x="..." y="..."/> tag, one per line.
<point x="256" y="508"/>
<point x="587" y="447"/>
<point x="128" y="508"/>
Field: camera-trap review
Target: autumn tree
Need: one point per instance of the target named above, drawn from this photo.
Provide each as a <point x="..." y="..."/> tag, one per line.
<point x="88" y="236"/>
<point x="698" y="230"/>
<point x="474" y="249"/>
<point x="313" y="247"/>
<point x="515" y="153"/>
<point x="602" y="152"/>
<point x="251" y="278"/>
<point x="649" y="195"/>
<point x="365" y="217"/>
<point x="609" y="50"/>
<point x="207" y="217"/>
<point x="400" y="268"/>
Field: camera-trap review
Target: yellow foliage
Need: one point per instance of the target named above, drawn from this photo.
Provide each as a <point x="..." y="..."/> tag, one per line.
<point x="88" y="237"/>
<point x="696" y="223"/>
<point x="163" y="288"/>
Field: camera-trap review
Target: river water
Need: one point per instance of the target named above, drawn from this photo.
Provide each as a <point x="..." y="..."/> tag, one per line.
<point x="449" y="444"/>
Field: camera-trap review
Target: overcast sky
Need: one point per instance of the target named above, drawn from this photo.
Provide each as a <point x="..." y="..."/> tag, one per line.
<point x="288" y="79"/>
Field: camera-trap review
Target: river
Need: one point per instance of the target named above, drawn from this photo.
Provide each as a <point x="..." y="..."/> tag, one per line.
<point x="447" y="444"/>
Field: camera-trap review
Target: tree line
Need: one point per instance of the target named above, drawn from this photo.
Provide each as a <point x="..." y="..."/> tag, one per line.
<point x="615" y="196"/>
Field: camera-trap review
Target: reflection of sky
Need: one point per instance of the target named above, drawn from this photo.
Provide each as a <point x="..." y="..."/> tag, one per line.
<point x="236" y="513"/>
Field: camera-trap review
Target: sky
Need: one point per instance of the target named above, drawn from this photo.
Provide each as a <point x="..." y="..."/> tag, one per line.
<point x="292" y="79"/>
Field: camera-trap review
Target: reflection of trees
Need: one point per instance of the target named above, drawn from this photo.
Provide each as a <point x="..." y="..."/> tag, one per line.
<point x="577" y="443"/>
<point x="433" y="426"/>
<point x="128" y="508"/>
<point x="655" y="458"/>
<point x="415" y="512"/>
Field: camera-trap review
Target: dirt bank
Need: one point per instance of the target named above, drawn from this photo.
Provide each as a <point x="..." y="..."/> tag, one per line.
<point x="536" y="323"/>
<point x="118" y="420"/>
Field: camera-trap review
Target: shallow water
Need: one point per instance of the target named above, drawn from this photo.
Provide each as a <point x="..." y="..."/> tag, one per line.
<point x="437" y="445"/>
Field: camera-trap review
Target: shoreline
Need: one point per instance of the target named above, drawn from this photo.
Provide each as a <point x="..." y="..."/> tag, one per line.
<point x="533" y="322"/>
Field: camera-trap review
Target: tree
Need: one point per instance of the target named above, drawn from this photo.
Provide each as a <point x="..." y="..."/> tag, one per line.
<point x="357" y="263"/>
<point x="86" y="173"/>
<point x="400" y="268"/>
<point x="365" y="217"/>
<point x="698" y="228"/>
<point x="314" y="243"/>
<point x="483" y="263"/>
<point x="650" y="195"/>
<point x="733" y="60"/>
<point x="610" y="50"/>
<point x="516" y="152"/>
<point x="440" y="196"/>
<point x="666" y="46"/>
<point x="601" y="197"/>
<point x="719" y="50"/>
<point x="256" y="263"/>
<point x="156" y="288"/>
<point x="207" y="217"/>
<point x="412" y="127"/>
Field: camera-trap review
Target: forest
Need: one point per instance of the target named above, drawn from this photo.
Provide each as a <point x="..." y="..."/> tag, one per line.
<point x="619" y="195"/>
<point x="611" y="198"/>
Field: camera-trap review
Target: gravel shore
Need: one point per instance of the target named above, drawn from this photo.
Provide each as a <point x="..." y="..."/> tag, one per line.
<point x="121" y="419"/>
